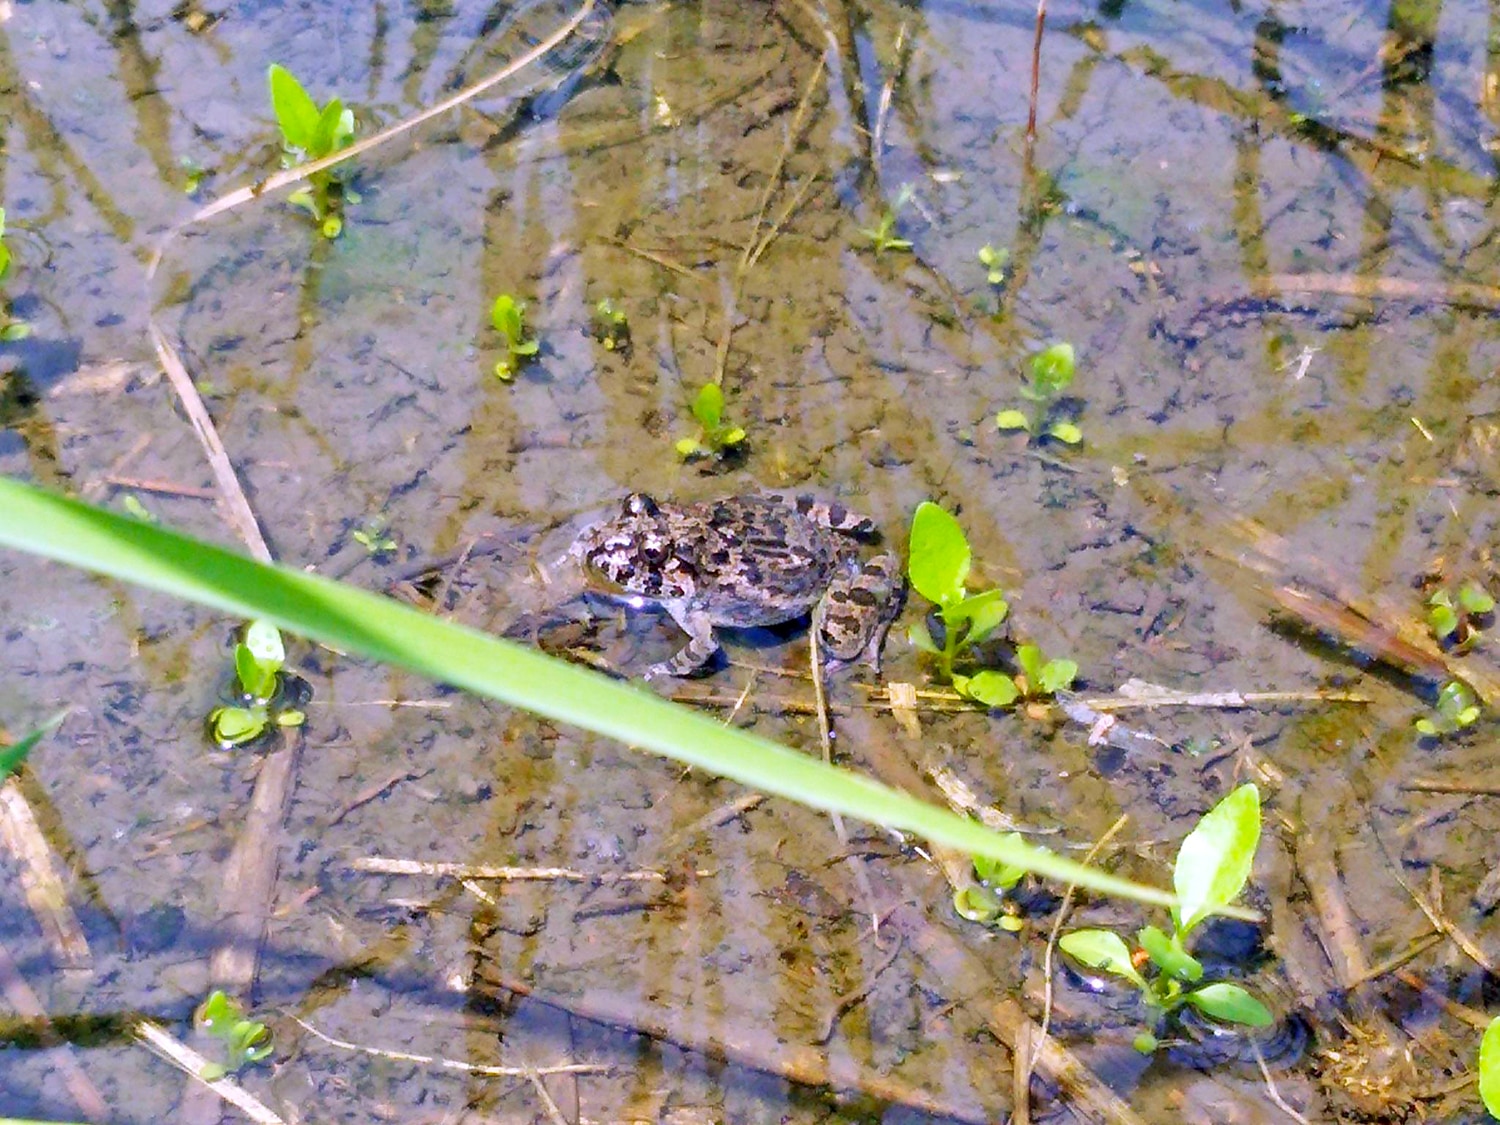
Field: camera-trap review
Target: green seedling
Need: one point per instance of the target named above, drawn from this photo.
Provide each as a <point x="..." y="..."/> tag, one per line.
<point x="13" y="755"/>
<point x="1452" y="617"/>
<point x="310" y="133"/>
<point x="136" y="510"/>
<point x="939" y="569"/>
<point x="994" y="261"/>
<point x="374" y="536"/>
<point x="882" y="236"/>
<point x="1051" y="375"/>
<point x="1212" y="866"/>
<point x="1036" y="680"/>
<point x="11" y="330"/>
<point x="245" y="1041"/>
<point x="1456" y="709"/>
<point x="716" y="437"/>
<point x="985" y="901"/>
<point x="610" y="327"/>
<point x="258" y="661"/>
<point x="508" y="316"/>
<point x="192" y="175"/>
<point x="1489" y="1068"/>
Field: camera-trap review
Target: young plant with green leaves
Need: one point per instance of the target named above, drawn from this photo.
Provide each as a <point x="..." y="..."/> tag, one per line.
<point x="1051" y="375"/>
<point x="716" y="436"/>
<point x="883" y="235"/>
<point x="258" y="661"/>
<point x="985" y="901"/>
<point x="610" y="326"/>
<point x="374" y="536"/>
<point x="1455" y="616"/>
<point x="1212" y="867"/>
<point x="244" y="1040"/>
<point x="508" y="316"/>
<point x="938" y="568"/>
<point x="11" y="329"/>
<point x="1456" y="709"/>
<point x="311" y="133"/>
<point x="995" y="262"/>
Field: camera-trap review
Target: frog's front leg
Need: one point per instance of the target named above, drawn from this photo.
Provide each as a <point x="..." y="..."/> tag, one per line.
<point x="857" y="612"/>
<point x="697" y="652"/>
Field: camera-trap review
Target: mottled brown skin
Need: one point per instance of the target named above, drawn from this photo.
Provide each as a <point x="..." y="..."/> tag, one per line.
<point x="743" y="561"/>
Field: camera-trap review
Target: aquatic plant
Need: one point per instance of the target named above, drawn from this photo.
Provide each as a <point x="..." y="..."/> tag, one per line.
<point x="985" y="901"/>
<point x="994" y="261"/>
<point x="1455" y="709"/>
<point x="10" y="328"/>
<point x="374" y="536"/>
<point x="716" y="437"/>
<point x="1212" y="867"/>
<point x="136" y="510"/>
<point x="17" y="752"/>
<point x="1454" y="616"/>
<point x="508" y="316"/>
<point x="1051" y="374"/>
<point x="363" y="624"/>
<point x="311" y="133"/>
<point x="938" y="568"/>
<point x="882" y="235"/>
<point x="258" y="660"/>
<point x="610" y="327"/>
<point x="245" y="1041"/>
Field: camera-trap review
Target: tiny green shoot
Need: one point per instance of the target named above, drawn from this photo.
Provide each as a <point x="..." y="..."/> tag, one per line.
<point x="883" y="236"/>
<point x="985" y="901"/>
<point x="508" y="316"/>
<point x="610" y="326"/>
<point x="1455" y="710"/>
<point x="134" y="508"/>
<point x="11" y="329"/>
<point x="995" y="263"/>
<point x="716" y="437"/>
<point x="1051" y="375"/>
<point x="244" y="1040"/>
<point x="1489" y="1068"/>
<point x="1453" y="616"/>
<point x="374" y="536"/>
<point x="311" y="133"/>
<point x="13" y="755"/>
<point x="258" y="662"/>
<point x="1212" y="867"/>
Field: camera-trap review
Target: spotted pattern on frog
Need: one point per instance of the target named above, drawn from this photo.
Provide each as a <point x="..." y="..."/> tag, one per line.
<point x="746" y="561"/>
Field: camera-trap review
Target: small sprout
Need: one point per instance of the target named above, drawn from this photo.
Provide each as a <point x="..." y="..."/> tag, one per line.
<point x="310" y="133"/>
<point x="258" y="662"/>
<point x="938" y="567"/>
<point x="136" y="510"/>
<point x="244" y="1041"/>
<point x="1456" y="618"/>
<point x="509" y="319"/>
<point x="11" y="330"/>
<point x="994" y="261"/>
<point x="716" y="437"/>
<point x="192" y="175"/>
<point x="4" y="250"/>
<point x="882" y="236"/>
<point x="610" y="326"/>
<point x="373" y="536"/>
<point x="1456" y="709"/>
<point x="1212" y="867"/>
<point x="1051" y="375"/>
<point x="1489" y="1068"/>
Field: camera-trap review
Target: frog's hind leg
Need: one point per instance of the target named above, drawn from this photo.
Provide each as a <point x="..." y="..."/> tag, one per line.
<point x="858" y="610"/>
<point x="696" y="653"/>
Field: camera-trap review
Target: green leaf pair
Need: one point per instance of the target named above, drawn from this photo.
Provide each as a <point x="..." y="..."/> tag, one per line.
<point x="1051" y="375"/>
<point x="1456" y="709"/>
<point x="716" y="436"/>
<point x="258" y="660"/>
<point x="508" y="316"/>
<point x="1212" y="867"/>
<point x="306" y="129"/>
<point x="245" y="1041"/>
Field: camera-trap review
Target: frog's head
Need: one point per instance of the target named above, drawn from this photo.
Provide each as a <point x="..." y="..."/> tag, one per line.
<point x="626" y="549"/>
<point x="639" y="506"/>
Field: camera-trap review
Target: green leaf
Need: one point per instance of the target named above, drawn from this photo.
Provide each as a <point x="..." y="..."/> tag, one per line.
<point x="1475" y="598"/>
<point x="1215" y="859"/>
<point x="526" y="347"/>
<point x="1057" y="675"/>
<point x="1229" y="1003"/>
<point x="1489" y="1068"/>
<point x="327" y="129"/>
<point x="233" y="726"/>
<point x="217" y="1013"/>
<point x="291" y="718"/>
<point x="993" y="689"/>
<point x="264" y="642"/>
<point x="364" y="624"/>
<point x="504" y="370"/>
<point x="1104" y="950"/>
<point x="1052" y="370"/>
<point x="976" y="904"/>
<point x="341" y="138"/>
<point x="1427" y="727"/>
<point x="15" y="330"/>
<point x="732" y="436"/>
<point x="296" y="112"/>
<point x="1029" y="659"/>
<point x="1065" y="432"/>
<point x="4" y="260"/>
<point x="13" y="755"/>
<point x="1012" y="420"/>
<point x="998" y="874"/>
<point x="689" y="447"/>
<point x="708" y="406"/>
<point x="506" y="315"/>
<point x="212" y="1071"/>
<point x="919" y="636"/>
<point x="1454" y="699"/>
<point x="983" y="612"/>
<point x="1442" y="620"/>
<point x="1167" y="954"/>
<point x="939" y="561"/>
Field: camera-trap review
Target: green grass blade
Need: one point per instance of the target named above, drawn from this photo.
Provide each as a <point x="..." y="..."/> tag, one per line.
<point x="13" y="755"/>
<point x="357" y="621"/>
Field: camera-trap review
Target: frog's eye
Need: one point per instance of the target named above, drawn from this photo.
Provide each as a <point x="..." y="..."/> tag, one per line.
<point x="639" y="504"/>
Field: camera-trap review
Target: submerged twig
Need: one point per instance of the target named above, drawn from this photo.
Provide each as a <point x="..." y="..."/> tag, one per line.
<point x="1036" y="72"/>
<point x="24" y="1001"/>
<point x="44" y="889"/>
<point x="384" y="865"/>
<point x="451" y="1064"/>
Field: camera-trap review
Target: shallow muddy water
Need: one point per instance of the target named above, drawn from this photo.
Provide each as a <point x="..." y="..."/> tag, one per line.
<point x="1268" y="230"/>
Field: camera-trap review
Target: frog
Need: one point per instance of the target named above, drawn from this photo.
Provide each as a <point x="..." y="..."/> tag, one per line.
<point x="747" y="560"/>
